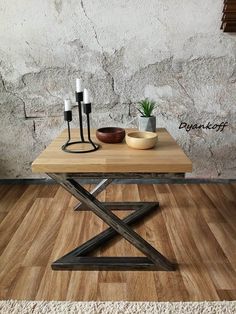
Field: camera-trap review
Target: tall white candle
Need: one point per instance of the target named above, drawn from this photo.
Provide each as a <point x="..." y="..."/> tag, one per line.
<point x="86" y="96"/>
<point x="67" y="105"/>
<point x="79" y="87"/>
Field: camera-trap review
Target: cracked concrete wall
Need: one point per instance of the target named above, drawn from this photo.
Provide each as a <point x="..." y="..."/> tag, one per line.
<point x="171" y="51"/>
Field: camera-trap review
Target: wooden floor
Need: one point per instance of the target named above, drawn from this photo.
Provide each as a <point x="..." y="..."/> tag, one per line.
<point x="194" y="227"/>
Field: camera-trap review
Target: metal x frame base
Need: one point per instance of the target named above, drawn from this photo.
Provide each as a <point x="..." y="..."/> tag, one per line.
<point x="77" y="259"/>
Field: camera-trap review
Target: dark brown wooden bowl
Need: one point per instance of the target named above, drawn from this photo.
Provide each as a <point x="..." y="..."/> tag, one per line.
<point x="110" y="135"/>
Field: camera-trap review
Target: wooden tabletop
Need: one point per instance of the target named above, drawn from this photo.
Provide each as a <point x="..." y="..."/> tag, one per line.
<point x="166" y="157"/>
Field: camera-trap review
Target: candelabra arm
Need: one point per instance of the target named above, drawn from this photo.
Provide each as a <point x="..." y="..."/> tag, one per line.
<point x="88" y="127"/>
<point x="79" y="99"/>
<point x="68" y="127"/>
<point x="80" y="122"/>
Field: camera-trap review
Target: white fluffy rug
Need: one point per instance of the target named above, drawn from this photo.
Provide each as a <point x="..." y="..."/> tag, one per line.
<point x="51" y="307"/>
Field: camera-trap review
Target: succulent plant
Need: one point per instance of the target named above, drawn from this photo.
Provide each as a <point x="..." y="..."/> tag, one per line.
<point x="146" y="107"/>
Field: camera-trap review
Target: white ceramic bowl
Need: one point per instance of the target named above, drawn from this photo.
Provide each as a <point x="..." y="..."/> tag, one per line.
<point x="141" y="140"/>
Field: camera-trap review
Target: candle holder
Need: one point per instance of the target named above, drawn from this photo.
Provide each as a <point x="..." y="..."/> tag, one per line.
<point x="68" y="118"/>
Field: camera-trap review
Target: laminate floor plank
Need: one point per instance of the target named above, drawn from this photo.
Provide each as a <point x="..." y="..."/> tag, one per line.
<point x="114" y="291"/>
<point x="54" y="285"/>
<point x="193" y="227"/>
<point x="208" y="247"/>
<point x="4" y="188"/>
<point x="48" y="190"/>
<point x="3" y="215"/>
<point x="226" y="240"/>
<point x="161" y="188"/>
<point x="76" y="228"/>
<point x="15" y="251"/>
<point x="83" y="286"/>
<point x="67" y="239"/>
<point x="80" y="280"/>
<point x="156" y="231"/>
<point x="26" y="283"/>
<point x="194" y="273"/>
<point x="229" y="192"/>
<point x="204" y="204"/>
<point x="170" y="286"/>
<point x="40" y="250"/>
<point x="227" y="294"/>
<point x="10" y="196"/>
<point x="144" y="285"/>
<point x="227" y="209"/>
<point x="223" y="275"/>
<point x="13" y="219"/>
<point x="3" y="293"/>
<point x="141" y="286"/>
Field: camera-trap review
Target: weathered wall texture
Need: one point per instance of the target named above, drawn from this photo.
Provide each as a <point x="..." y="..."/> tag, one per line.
<point x="169" y="50"/>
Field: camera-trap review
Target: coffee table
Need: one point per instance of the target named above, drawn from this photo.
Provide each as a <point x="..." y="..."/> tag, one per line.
<point x="110" y="162"/>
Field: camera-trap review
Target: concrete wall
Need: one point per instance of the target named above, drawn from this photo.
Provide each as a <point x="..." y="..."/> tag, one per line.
<point x="169" y="50"/>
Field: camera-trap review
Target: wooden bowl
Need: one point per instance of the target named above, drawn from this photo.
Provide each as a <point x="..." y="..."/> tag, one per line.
<point x="110" y="135"/>
<point x="141" y="140"/>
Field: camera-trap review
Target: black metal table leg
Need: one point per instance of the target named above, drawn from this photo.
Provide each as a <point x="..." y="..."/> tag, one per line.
<point x="105" y="263"/>
<point x="97" y="190"/>
<point x="106" y="235"/>
<point x="154" y="258"/>
<point x="119" y="205"/>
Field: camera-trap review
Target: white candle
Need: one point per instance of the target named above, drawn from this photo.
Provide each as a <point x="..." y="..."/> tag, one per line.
<point x="67" y="105"/>
<point x="79" y="85"/>
<point x="86" y="96"/>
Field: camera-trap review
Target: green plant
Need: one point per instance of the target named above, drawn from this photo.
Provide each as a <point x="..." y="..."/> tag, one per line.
<point x="146" y="107"/>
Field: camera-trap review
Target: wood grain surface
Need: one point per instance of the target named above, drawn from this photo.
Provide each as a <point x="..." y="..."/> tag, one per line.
<point x="165" y="157"/>
<point x="195" y="227"/>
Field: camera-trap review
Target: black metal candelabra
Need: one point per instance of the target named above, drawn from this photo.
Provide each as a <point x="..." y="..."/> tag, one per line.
<point x="68" y="119"/>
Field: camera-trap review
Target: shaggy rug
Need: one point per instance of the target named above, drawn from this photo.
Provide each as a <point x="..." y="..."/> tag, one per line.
<point x="54" y="307"/>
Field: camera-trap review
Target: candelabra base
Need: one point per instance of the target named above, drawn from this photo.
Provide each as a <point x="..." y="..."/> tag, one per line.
<point x="83" y="149"/>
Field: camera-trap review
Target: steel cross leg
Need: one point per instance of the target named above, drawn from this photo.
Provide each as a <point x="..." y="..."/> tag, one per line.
<point x="97" y="190"/>
<point x="76" y="259"/>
